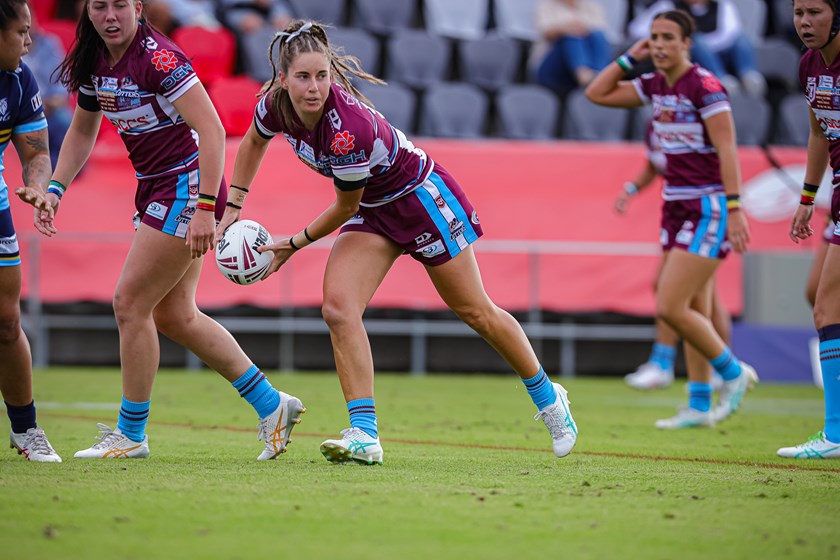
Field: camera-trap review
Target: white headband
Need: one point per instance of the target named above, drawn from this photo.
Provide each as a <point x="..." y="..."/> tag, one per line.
<point x="289" y="36"/>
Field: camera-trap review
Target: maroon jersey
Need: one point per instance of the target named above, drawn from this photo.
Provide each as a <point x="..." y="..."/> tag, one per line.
<point x="693" y="168"/>
<point x="822" y="89"/>
<point x="136" y="95"/>
<point x="352" y="138"/>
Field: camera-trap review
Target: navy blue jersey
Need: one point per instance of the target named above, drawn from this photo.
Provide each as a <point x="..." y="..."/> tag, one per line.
<point x="21" y="111"/>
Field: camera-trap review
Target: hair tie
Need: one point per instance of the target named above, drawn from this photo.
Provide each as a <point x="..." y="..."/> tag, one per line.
<point x="289" y="36"/>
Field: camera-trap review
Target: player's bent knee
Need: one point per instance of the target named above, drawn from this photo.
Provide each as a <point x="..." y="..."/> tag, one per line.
<point x="9" y="329"/>
<point x="336" y="314"/>
<point x="173" y="323"/>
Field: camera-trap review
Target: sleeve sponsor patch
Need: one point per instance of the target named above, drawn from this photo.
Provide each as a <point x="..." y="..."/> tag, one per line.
<point x="711" y="84"/>
<point x="713" y="98"/>
<point x="342" y="143"/>
<point x="164" y="60"/>
<point x="36" y="101"/>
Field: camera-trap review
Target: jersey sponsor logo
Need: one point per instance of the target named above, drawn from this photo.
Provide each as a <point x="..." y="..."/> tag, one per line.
<point x="134" y="120"/>
<point x="178" y="74"/>
<point x="151" y="44"/>
<point x="811" y="88"/>
<point x="335" y="120"/>
<point x="423" y="238"/>
<point x="157" y="210"/>
<point x="714" y="98"/>
<point x="432" y="250"/>
<point x="343" y="143"/>
<point x="262" y="110"/>
<point x="4" y="109"/>
<point x="108" y="83"/>
<point x="164" y="60"/>
<point x="186" y="215"/>
<point x="439" y="201"/>
<point x="679" y="136"/>
<point x="829" y="122"/>
<point x="826" y="83"/>
<point x="456" y="229"/>
<point x="349" y="159"/>
<point x="36" y="101"/>
<point x="711" y="84"/>
<point x="474" y="218"/>
<point x="348" y="99"/>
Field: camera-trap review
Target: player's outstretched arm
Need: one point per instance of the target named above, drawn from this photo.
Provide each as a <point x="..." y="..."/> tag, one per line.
<point x="33" y="150"/>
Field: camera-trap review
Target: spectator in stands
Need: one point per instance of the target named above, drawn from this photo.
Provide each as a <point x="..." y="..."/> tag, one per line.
<point x="250" y="15"/>
<point x="22" y="121"/>
<point x="658" y="371"/>
<point x="701" y="217"/>
<point x="573" y="46"/>
<point x="44" y="56"/>
<point x="168" y="15"/>
<point x="817" y="22"/>
<point x="720" y="45"/>
<point x="391" y="199"/>
<point x="125" y="68"/>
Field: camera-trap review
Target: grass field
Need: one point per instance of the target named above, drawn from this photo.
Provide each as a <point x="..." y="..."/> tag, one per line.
<point x="467" y="474"/>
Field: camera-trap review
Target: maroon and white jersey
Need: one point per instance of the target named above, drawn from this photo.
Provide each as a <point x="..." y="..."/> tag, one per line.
<point x="679" y="111"/>
<point x="655" y="155"/>
<point x="350" y="139"/>
<point x="136" y="95"/>
<point x="822" y="89"/>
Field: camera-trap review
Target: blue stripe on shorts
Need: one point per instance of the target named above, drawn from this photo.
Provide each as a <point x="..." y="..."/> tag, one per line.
<point x="182" y="193"/>
<point x="709" y="205"/>
<point x="455" y="206"/>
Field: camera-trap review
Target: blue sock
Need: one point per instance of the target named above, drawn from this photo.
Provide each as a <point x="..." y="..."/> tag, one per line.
<point x="700" y="396"/>
<point x="254" y="387"/>
<point x="132" y="419"/>
<point x="727" y="365"/>
<point x="663" y="356"/>
<point x="541" y="390"/>
<point x="830" y="363"/>
<point x="363" y="416"/>
<point x="21" y="417"/>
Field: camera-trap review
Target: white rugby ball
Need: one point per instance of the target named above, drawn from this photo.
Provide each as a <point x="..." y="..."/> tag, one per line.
<point x="236" y="252"/>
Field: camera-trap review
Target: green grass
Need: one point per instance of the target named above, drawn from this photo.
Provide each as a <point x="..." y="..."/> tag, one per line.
<point x="467" y="474"/>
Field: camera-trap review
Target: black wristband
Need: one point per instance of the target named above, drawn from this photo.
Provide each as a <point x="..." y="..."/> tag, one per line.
<point x="292" y="243"/>
<point x="308" y="238"/>
<point x="240" y="188"/>
<point x="232" y="205"/>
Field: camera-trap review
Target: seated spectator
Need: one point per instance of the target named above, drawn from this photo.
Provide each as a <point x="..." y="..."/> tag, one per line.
<point x="247" y="16"/>
<point x="45" y="55"/>
<point x="719" y="45"/>
<point x="573" y="48"/>
<point x="167" y="15"/>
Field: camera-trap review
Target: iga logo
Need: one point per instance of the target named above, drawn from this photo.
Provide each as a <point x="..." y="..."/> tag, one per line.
<point x="164" y="60"/>
<point x="342" y="143"/>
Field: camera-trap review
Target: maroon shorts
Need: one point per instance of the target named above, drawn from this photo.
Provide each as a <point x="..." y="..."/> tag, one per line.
<point x="432" y="223"/>
<point x="697" y="226"/>
<point x="168" y="203"/>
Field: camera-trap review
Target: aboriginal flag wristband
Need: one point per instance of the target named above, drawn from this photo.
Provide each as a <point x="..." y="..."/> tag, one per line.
<point x="733" y="202"/>
<point x="809" y="192"/>
<point x="206" y="202"/>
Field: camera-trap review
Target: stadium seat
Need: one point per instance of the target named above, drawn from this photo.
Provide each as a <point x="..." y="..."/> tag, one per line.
<point x="395" y="101"/>
<point x="44" y="9"/>
<point x="783" y="18"/>
<point x="454" y="110"/>
<point x="359" y="43"/>
<point x="416" y="58"/>
<point x="489" y="62"/>
<point x="235" y="98"/>
<point x="515" y="19"/>
<point x="753" y="16"/>
<point x="527" y="112"/>
<point x="778" y="60"/>
<point x="752" y="118"/>
<point x="615" y="12"/>
<point x="254" y="47"/>
<point x="331" y="12"/>
<point x="465" y="19"/>
<point x="212" y="51"/>
<point x="383" y="17"/>
<point x="584" y="120"/>
<point x="794" y="125"/>
<point x="64" y="29"/>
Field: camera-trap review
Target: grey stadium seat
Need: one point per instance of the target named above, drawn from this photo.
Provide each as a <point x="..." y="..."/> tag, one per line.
<point x="454" y="110"/>
<point x="332" y="12"/>
<point x="752" y="119"/>
<point x="753" y="16"/>
<point x="527" y="112"/>
<point x="359" y="43"/>
<point x="464" y="19"/>
<point x="778" y="60"/>
<point x="639" y="124"/>
<point x="255" y="53"/>
<point x="515" y="19"/>
<point x="490" y="62"/>
<point x="586" y="121"/>
<point x="416" y="58"/>
<point x="383" y="17"/>
<point x="794" y="124"/>
<point x="396" y="102"/>
<point x="615" y="12"/>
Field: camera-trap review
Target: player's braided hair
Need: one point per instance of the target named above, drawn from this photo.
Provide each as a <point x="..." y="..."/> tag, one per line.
<point x="82" y="58"/>
<point x="10" y="10"/>
<point x="682" y="18"/>
<point x="302" y="36"/>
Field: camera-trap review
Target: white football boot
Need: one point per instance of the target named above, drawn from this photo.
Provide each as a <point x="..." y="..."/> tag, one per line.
<point x="558" y="419"/>
<point x="355" y="445"/>
<point x="732" y="393"/>
<point x="114" y="444"/>
<point x="817" y="447"/>
<point x="34" y="445"/>
<point x="649" y="376"/>
<point x="275" y="429"/>
<point x="686" y="418"/>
